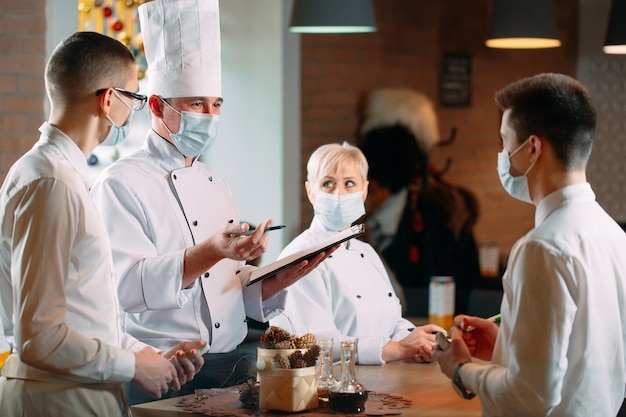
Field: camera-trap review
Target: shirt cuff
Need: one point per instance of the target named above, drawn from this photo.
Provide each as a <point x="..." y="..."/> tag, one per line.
<point x="470" y="374"/>
<point x="370" y="350"/>
<point x="123" y="367"/>
<point x="258" y="309"/>
<point x="161" y="278"/>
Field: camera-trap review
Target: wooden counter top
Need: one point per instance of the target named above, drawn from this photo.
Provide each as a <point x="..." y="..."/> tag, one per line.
<point x="429" y="390"/>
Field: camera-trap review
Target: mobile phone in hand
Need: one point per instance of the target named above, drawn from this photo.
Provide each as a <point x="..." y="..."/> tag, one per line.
<point x="443" y="341"/>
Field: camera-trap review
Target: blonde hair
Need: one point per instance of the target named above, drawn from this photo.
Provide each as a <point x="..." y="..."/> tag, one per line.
<point x="327" y="158"/>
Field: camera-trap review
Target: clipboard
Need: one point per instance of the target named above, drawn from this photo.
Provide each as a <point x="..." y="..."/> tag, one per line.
<point x="275" y="267"/>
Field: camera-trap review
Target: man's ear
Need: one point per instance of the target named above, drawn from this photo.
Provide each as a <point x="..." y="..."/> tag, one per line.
<point x="537" y="147"/>
<point x="156" y="105"/>
<point x="106" y="101"/>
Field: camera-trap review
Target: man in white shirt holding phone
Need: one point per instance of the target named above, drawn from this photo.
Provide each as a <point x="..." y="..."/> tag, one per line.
<point x="560" y="348"/>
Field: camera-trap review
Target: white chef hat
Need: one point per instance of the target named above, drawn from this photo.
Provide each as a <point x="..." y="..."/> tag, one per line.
<point x="182" y="44"/>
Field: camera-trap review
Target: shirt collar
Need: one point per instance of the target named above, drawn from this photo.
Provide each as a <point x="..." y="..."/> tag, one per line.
<point x="167" y="155"/>
<point x="388" y="216"/>
<point x="55" y="137"/>
<point x="575" y="192"/>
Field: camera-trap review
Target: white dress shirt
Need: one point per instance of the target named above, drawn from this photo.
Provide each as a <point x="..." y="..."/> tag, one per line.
<point x="55" y="261"/>
<point x="560" y="349"/>
<point x="154" y="208"/>
<point x="383" y="223"/>
<point x="348" y="295"/>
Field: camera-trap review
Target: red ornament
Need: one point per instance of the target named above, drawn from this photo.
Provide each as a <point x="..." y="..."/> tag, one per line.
<point x="418" y="223"/>
<point x="414" y="254"/>
<point x="107" y="11"/>
<point x="116" y="25"/>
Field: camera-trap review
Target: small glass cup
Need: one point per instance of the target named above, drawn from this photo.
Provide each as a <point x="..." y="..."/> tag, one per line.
<point x="325" y="378"/>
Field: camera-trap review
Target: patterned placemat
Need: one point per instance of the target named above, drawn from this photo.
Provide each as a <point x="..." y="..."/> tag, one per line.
<point x="225" y="402"/>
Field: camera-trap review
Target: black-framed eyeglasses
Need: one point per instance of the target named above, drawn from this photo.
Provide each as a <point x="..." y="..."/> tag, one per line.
<point x="139" y="100"/>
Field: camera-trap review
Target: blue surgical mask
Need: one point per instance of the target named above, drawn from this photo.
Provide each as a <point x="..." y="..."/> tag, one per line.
<point x="117" y="134"/>
<point x="517" y="187"/>
<point x="196" y="134"/>
<point x="338" y="211"/>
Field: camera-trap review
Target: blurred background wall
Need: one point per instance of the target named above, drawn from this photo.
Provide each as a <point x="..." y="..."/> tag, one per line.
<point x="286" y="94"/>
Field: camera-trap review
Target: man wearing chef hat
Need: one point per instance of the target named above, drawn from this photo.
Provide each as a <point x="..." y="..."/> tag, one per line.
<point x="170" y="217"/>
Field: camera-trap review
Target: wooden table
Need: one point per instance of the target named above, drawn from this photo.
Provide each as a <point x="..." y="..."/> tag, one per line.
<point x="430" y="391"/>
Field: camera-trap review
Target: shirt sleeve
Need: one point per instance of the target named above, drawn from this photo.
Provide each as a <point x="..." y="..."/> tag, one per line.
<point x="40" y="257"/>
<point x="257" y="308"/>
<point x="402" y="329"/>
<point x="525" y="378"/>
<point x="135" y="256"/>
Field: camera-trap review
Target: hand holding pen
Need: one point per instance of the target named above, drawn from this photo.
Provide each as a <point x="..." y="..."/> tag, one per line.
<point x="242" y="242"/>
<point x="252" y="229"/>
<point x="479" y="334"/>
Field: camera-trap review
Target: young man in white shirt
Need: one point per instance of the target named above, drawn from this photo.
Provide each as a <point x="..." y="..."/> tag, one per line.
<point x="560" y="348"/>
<point x="70" y="356"/>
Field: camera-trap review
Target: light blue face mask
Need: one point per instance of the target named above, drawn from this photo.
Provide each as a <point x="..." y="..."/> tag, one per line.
<point x="196" y="134"/>
<point x="338" y="211"/>
<point x="517" y="187"/>
<point x="117" y="134"/>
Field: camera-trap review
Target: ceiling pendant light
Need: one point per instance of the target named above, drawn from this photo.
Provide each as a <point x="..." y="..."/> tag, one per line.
<point x="523" y="24"/>
<point x="615" y="41"/>
<point x="332" y="16"/>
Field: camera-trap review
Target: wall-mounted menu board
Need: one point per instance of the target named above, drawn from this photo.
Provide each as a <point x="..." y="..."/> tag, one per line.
<point x="455" y="88"/>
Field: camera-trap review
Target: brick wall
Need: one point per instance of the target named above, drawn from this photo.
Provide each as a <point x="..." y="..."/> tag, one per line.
<point x="22" y="62"/>
<point x="406" y="52"/>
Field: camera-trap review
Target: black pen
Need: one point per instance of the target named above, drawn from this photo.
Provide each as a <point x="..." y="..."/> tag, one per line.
<point x="267" y="229"/>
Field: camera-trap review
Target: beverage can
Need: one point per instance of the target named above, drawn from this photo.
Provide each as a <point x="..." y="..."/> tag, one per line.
<point x="489" y="260"/>
<point x="441" y="301"/>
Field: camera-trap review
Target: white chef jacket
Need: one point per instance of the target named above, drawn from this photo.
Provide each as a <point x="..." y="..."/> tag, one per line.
<point x="348" y="295"/>
<point x="55" y="260"/>
<point x="560" y="349"/>
<point x="154" y="208"/>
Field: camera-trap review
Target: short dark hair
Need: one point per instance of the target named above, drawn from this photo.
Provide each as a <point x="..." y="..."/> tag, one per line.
<point x="85" y="62"/>
<point x="556" y="108"/>
<point x="393" y="155"/>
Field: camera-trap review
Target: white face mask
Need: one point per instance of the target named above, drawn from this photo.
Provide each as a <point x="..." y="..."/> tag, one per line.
<point x="117" y="134"/>
<point x="196" y="134"/>
<point x="338" y="211"/>
<point x="517" y="187"/>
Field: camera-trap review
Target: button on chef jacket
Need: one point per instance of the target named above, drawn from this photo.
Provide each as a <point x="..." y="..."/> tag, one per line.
<point x="348" y="295"/>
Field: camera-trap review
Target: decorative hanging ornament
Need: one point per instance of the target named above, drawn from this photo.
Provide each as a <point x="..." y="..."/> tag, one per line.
<point x="117" y="19"/>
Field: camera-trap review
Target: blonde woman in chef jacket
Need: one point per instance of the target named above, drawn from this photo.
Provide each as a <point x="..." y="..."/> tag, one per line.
<point x="350" y="294"/>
